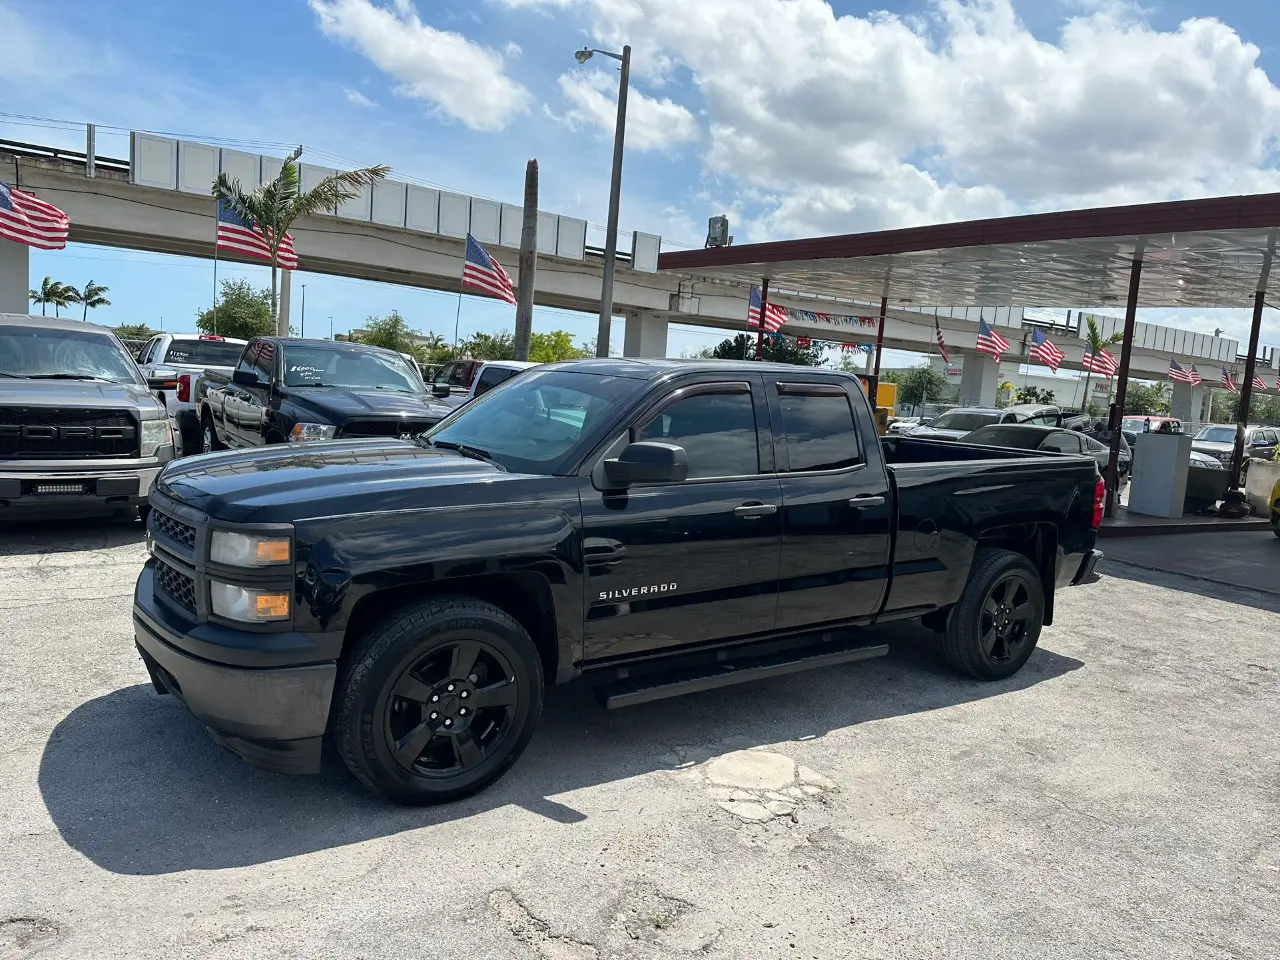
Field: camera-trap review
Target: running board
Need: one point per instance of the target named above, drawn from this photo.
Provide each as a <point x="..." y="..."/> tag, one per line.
<point x="726" y="670"/>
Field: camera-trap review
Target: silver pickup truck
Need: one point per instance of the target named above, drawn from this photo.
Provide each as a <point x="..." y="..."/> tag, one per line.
<point x="80" y="433"/>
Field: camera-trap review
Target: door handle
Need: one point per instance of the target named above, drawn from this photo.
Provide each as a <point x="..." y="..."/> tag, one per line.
<point x="870" y="500"/>
<point x="753" y="511"/>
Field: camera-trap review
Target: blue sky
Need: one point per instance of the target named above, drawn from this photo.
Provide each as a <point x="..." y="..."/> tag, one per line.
<point x="795" y="117"/>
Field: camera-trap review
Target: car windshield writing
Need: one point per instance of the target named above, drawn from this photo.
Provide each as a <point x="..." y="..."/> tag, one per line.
<point x="1217" y="434"/>
<point x="210" y="353"/>
<point x="535" y="423"/>
<point x="343" y="366"/>
<point x="41" y="352"/>
<point x="963" y="421"/>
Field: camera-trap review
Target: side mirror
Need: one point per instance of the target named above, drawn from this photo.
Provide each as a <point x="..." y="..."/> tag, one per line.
<point x="440" y="390"/>
<point x="162" y="377"/>
<point x="647" y="462"/>
<point x="245" y="378"/>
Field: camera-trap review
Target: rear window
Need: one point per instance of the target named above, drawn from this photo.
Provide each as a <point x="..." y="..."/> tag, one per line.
<point x="819" y="431"/>
<point x="996" y="436"/>
<point x="964" y="421"/>
<point x="210" y="353"/>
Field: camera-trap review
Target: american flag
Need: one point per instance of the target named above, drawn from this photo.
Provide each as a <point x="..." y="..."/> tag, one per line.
<point x="29" y="220"/>
<point x="1181" y="374"/>
<point x="1258" y="383"/>
<point x="1104" y="363"/>
<point x="237" y="235"/>
<point x="942" y="344"/>
<point x="990" y="342"/>
<point x="1043" y="350"/>
<point x="485" y="273"/>
<point x="1278" y="383"/>
<point x="1227" y="382"/>
<point x="1196" y="379"/>
<point x="774" y="315"/>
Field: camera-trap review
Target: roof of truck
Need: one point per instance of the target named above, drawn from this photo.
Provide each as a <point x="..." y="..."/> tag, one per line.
<point x="647" y="369"/>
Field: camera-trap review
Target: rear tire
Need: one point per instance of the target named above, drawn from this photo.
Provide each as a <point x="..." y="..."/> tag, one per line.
<point x="209" y="441"/>
<point x="995" y="626"/>
<point x="437" y="701"/>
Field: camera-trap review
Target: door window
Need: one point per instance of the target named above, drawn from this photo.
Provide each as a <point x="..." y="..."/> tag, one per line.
<point x="247" y="360"/>
<point x="1061" y="443"/>
<point x="716" y="430"/>
<point x="818" y="430"/>
<point x="265" y="360"/>
<point x="1268" y="438"/>
<point x="145" y="356"/>
<point x="491" y="376"/>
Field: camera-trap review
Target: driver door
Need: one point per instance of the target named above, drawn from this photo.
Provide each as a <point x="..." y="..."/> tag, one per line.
<point x="673" y="564"/>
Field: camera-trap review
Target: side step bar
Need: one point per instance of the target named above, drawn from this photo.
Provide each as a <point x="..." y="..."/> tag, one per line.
<point x="724" y="670"/>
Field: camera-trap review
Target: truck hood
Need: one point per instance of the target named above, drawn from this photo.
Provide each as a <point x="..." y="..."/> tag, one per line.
<point x="77" y="394"/>
<point x="337" y="404"/>
<point x="301" y="481"/>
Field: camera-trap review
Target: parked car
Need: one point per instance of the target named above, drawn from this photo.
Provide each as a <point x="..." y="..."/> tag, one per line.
<point x="286" y="390"/>
<point x="1044" y="415"/>
<point x="80" y="433"/>
<point x="1026" y="436"/>
<point x="1219" y="442"/>
<point x="1140" y="424"/>
<point x="902" y="424"/>
<point x="172" y="363"/>
<point x="461" y="380"/>
<point x="954" y="424"/>
<point x="661" y="527"/>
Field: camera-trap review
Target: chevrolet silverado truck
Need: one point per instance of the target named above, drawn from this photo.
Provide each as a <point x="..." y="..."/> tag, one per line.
<point x="655" y="527"/>
<point x="286" y="390"/>
<point x="80" y="434"/>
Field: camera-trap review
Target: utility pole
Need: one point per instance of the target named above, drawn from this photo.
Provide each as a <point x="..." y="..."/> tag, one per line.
<point x="528" y="262"/>
<point x="304" y="310"/>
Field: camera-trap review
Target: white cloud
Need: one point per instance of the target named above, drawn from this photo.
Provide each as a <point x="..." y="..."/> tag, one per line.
<point x="462" y="80"/>
<point x="358" y="98"/>
<point x="652" y="124"/>
<point x="853" y="123"/>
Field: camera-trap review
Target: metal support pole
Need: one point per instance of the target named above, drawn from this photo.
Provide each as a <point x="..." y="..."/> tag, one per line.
<point x="873" y="386"/>
<point x="764" y="310"/>
<point x="1246" y="390"/>
<point x="1126" y="351"/>
<point x="90" y="151"/>
<point x="528" y="262"/>
<point x="611" y="229"/>
<point x="304" y="310"/>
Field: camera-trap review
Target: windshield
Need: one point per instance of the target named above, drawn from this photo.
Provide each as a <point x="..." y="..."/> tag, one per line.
<point x="348" y="365"/>
<point x="537" y="422"/>
<point x="963" y="421"/>
<point x="1217" y="434"/>
<point x="1002" y="436"/>
<point x="211" y="353"/>
<point x="43" y="352"/>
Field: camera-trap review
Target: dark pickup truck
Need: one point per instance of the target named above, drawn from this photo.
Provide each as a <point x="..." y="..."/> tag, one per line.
<point x="661" y="527"/>
<point x="286" y="390"/>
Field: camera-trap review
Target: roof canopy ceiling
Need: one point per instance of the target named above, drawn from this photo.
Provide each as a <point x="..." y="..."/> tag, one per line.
<point x="1195" y="253"/>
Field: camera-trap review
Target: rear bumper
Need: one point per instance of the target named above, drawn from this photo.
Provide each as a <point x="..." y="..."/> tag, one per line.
<point x="100" y="488"/>
<point x="273" y="718"/>
<point x="1086" y="572"/>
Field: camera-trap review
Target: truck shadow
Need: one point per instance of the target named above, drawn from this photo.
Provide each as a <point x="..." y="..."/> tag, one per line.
<point x="133" y="783"/>
<point x="20" y="538"/>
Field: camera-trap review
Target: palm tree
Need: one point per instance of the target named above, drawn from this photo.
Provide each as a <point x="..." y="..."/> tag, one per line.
<point x="1095" y="343"/>
<point x="52" y="293"/>
<point x="274" y="207"/>
<point x="92" y="296"/>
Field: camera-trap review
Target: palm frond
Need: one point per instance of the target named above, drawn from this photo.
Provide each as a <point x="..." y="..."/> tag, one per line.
<point x="336" y="189"/>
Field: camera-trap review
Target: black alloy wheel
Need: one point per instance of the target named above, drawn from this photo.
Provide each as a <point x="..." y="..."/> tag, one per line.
<point x="1006" y="618"/>
<point x="994" y="627"/>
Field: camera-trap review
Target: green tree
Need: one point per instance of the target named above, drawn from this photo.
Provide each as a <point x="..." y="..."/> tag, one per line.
<point x="1029" y="394"/>
<point x="491" y="346"/>
<point x="134" y="331"/>
<point x="1095" y="343"/>
<point x="93" y="295"/>
<point x="390" y="332"/>
<point x="275" y="206"/>
<point x="1146" y="399"/>
<point x="52" y="294"/>
<point x="556" y="345"/>
<point x="242" y="313"/>
<point x="776" y="350"/>
<point x="918" y="385"/>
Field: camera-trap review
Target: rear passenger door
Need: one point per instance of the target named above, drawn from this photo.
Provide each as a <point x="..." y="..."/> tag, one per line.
<point x="837" y="514"/>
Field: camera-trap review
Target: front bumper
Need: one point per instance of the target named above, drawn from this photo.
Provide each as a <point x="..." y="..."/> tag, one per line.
<point x="98" y="487"/>
<point x="1086" y="572"/>
<point x="272" y="717"/>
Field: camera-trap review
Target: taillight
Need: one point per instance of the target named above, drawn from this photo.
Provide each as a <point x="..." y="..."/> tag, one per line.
<point x="1099" y="501"/>
<point x="184" y="388"/>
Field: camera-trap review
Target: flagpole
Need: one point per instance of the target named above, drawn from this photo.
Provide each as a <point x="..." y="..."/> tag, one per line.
<point x="457" y="318"/>
<point x="215" y="267"/>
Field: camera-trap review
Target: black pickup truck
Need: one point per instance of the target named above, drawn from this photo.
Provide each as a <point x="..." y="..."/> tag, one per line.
<point x="287" y="390"/>
<point x="661" y="527"/>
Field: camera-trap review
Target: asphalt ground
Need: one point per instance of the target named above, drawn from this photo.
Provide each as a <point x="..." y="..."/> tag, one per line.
<point x="1117" y="798"/>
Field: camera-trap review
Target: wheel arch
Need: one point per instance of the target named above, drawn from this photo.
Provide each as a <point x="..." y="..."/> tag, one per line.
<point x="1038" y="542"/>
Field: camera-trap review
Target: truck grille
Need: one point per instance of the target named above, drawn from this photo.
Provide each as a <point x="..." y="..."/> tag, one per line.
<point x="176" y="584"/>
<point x="40" y="434"/>
<point x="385" y="428"/>
<point x="175" y="529"/>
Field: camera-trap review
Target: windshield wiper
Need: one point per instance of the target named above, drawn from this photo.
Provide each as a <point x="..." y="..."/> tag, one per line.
<point x="14" y="376"/>
<point x="68" y="376"/>
<point x="471" y="452"/>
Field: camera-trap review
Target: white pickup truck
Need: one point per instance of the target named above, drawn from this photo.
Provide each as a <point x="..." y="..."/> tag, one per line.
<point x="172" y="362"/>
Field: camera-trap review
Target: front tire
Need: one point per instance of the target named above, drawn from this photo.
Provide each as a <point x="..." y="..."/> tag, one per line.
<point x="994" y="628"/>
<point x="438" y="701"/>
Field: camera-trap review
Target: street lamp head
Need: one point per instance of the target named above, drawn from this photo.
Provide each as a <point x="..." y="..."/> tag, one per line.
<point x="583" y="55"/>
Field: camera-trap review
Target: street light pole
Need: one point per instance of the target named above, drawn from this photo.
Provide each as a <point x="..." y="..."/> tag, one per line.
<point x="615" y="194"/>
<point x="304" y="311"/>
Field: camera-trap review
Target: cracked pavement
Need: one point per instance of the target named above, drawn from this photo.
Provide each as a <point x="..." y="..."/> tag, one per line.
<point x="1118" y="798"/>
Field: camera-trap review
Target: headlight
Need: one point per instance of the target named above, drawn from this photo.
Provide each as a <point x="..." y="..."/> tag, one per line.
<point x="248" y="550"/>
<point x="155" y="434"/>
<point x="311" y="431"/>
<point x="248" y="606"/>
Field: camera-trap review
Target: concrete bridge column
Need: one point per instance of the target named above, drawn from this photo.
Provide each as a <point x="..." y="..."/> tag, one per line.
<point x="979" y="381"/>
<point x="645" y="335"/>
<point x="15" y="277"/>
<point x="1186" y="402"/>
